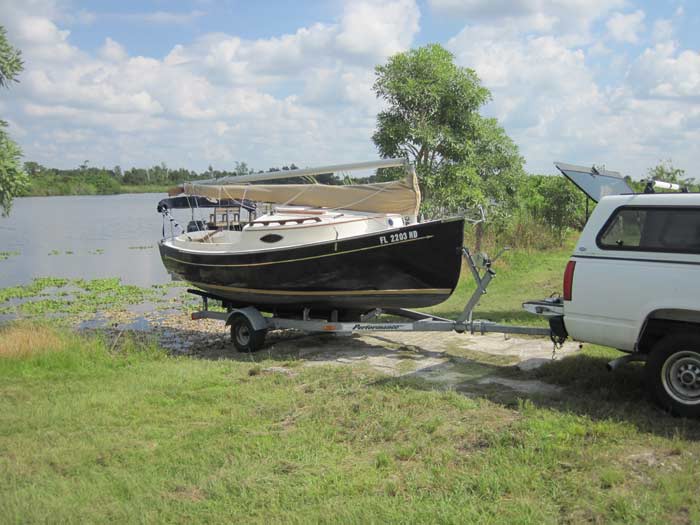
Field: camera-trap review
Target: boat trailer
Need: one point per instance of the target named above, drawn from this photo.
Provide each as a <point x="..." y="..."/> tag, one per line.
<point x="249" y="326"/>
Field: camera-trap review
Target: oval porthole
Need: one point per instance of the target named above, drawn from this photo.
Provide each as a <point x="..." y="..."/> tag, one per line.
<point x="271" y="237"/>
<point x="390" y="222"/>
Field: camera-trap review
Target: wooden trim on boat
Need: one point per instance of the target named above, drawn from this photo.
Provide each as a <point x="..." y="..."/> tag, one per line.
<point x="268" y="263"/>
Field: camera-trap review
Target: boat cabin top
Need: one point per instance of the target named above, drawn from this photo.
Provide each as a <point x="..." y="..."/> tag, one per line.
<point x="289" y="226"/>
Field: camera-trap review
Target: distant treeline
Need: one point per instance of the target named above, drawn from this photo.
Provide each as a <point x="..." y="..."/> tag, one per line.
<point x="534" y="211"/>
<point x="89" y="180"/>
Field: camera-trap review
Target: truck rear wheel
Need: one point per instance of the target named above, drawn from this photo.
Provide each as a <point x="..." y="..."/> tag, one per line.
<point x="673" y="374"/>
<point x="245" y="338"/>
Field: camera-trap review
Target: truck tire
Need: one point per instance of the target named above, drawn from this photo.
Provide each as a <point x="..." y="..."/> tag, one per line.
<point x="245" y="338"/>
<point x="673" y="374"/>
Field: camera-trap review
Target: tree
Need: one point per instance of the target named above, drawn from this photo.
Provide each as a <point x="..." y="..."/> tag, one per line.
<point x="158" y="174"/>
<point x="554" y="202"/>
<point x="241" y="168"/>
<point x="432" y="107"/>
<point x="665" y="171"/>
<point x="135" y="176"/>
<point x="13" y="180"/>
<point x="33" y="168"/>
<point x="462" y="159"/>
<point x="10" y="60"/>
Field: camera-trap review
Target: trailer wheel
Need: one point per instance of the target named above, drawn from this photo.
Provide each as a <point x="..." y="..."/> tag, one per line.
<point x="245" y="338"/>
<point x="673" y="374"/>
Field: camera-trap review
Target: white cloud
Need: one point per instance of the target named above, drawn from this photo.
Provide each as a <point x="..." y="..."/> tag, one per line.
<point x="113" y="51"/>
<point x="378" y="29"/>
<point x="570" y="19"/>
<point x="626" y="28"/>
<point x="498" y="9"/>
<point x="158" y="17"/>
<point x="43" y="38"/>
<point x="665" y="72"/>
<point x="557" y="102"/>
<point x="599" y="49"/>
<point x="561" y="90"/>
<point x="663" y="30"/>
<point x="539" y="85"/>
<point x="304" y="97"/>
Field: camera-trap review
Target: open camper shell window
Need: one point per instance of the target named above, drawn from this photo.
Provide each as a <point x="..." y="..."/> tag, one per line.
<point x="595" y="182"/>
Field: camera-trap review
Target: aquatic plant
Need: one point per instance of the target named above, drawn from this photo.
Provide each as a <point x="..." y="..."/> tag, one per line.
<point x="81" y="296"/>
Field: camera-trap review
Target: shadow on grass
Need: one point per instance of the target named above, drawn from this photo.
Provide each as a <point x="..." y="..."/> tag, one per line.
<point x="578" y="384"/>
<point x="586" y="386"/>
<point x="587" y="389"/>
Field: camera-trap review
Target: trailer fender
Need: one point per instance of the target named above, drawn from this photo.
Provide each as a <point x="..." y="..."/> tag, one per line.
<point x="252" y="314"/>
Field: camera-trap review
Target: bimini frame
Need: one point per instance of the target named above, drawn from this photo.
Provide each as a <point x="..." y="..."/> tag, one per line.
<point x="312" y="172"/>
<point x="400" y="196"/>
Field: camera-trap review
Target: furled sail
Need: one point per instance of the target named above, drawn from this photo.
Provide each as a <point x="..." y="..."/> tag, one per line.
<point x="400" y="196"/>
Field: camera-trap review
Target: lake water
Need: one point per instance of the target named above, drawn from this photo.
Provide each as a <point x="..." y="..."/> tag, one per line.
<point x="108" y="235"/>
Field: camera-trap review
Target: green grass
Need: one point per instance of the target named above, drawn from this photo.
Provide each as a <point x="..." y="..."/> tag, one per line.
<point x="521" y="275"/>
<point x="95" y="431"/>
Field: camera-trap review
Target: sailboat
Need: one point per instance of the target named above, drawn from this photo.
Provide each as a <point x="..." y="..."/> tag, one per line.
<point x="351" y="248"/>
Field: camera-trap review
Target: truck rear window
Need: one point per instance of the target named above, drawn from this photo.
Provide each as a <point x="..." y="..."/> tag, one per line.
<point x="652" y="229"/>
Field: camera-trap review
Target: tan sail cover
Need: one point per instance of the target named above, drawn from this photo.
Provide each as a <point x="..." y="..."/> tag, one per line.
<point x="401" y="196"/>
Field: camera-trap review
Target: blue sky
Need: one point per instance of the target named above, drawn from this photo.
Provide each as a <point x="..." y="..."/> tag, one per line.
<point x="193" y="83"/>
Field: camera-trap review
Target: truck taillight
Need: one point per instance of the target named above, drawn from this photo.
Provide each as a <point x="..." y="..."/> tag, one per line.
<point x="569" y="279"/>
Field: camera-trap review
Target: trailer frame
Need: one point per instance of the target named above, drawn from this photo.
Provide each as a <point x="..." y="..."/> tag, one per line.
<point x="249" y="326"/>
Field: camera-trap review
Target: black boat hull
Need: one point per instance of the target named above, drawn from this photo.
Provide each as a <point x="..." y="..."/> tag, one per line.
<point x="411" y="267"/>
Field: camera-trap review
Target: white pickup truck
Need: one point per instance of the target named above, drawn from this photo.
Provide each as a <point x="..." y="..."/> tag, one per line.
<point x="633" y="283"/>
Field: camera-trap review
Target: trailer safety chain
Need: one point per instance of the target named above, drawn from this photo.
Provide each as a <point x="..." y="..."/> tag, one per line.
<point x="557" y="343"/>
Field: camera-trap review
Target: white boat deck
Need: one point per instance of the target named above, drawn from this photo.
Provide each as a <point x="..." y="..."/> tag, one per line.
<point x="288" y="227"/>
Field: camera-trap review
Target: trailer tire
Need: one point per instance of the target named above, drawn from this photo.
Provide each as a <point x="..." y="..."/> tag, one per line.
<point x="244" y="337"/>
<point x="673" y="374"/>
